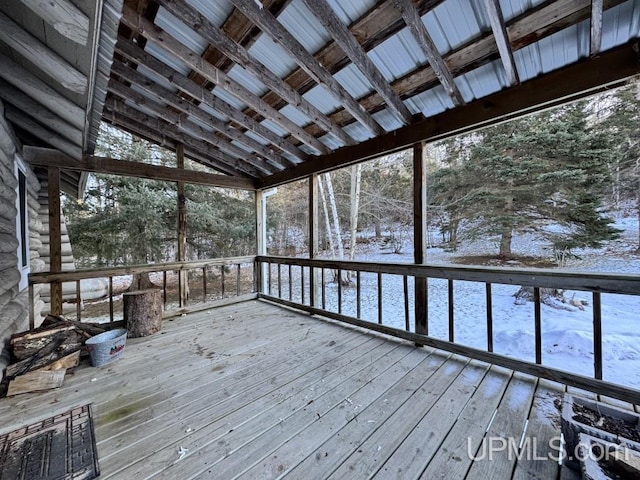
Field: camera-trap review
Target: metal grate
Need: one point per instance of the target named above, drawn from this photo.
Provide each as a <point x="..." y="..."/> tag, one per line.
<point x="62" y="447"/>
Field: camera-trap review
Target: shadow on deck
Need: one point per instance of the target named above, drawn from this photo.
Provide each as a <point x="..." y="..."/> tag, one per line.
<point x="254" y="390"/>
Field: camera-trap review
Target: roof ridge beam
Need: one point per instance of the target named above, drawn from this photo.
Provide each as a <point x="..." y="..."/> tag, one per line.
<point x="343" y="37"/>
<point x="276" y="31"/>
<point x="168" y="43"/>
<point x="236" y="52"/>
<point x="419" y="31"/>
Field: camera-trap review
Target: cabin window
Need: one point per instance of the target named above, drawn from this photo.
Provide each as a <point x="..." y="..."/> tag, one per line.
<point x="22" y="224"/>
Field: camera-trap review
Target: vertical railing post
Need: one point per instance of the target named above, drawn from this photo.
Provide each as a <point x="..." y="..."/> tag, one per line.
<point x="55" y="238"/>
<point x="537" y="313"/>
<point x="419" y="236"/>
<point x="314" y="293"/>
<point x="261" y="239"/>
<point x="489" y="317"/>
<point x="597" y="335"/>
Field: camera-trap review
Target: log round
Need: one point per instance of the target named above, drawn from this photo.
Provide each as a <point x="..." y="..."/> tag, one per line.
<point x="142" y="312"/>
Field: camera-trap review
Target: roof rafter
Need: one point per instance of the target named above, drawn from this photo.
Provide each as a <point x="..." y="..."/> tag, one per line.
<point x="575" y="81"/>
<point x="343" y="37"/>
<point x="596" y="26"/>
<point x="183" y="106"/>
<point x="165" y="41"/>
<point x="270" y="26"/>
<point x="549" y="18"/>
<point x="242" y="57"/>
<point x="190" y="127"/>
<point x="502" y="40"/>
<point x="172" y="131"/>
<point x="419" y="31"/>
<point x="189" y="87"/>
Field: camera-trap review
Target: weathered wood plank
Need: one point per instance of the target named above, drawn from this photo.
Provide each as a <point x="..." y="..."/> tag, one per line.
<point x="64" y="16"/>
<point x="41" y="55"/>
<point x="501" y="36"/>
<point x="271" y="27"/>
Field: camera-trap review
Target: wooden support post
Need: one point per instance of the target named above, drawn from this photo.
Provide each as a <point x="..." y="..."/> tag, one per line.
<point x="419" y="235"/>
<point x="313" y="239"/>
<point x="261" y="239"/>
<point x="182" y="230"/>
<point x="55" y="239"/>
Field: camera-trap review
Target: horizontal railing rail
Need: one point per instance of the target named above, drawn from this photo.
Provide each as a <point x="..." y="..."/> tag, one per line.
<point x="228" y="287"/>
<point x="306" y="289"/>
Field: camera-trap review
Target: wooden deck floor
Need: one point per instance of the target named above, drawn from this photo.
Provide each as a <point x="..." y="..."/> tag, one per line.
<point x="256" y="391"/>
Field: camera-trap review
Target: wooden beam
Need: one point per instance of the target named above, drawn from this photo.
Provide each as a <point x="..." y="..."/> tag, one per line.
<point x="170" y="44"/>
<point x="42" y="56"/>
<point x="419" y="31"/>
<point x="41" y="132"/>
<point x="502" y="40"/>
<point x="237" y="53"/>
<point x="41" y="92"/>
<point x="261" y="239"/>
<point x="343" y="37"/>
<point x="188" y="108"/>
<point x="18" y="99"/>
<point x="188" y="126"/>
<point x="596" y="26"/>
<point x="184" y="84"/>
<point x="182" y="228"/>
<point x="55" y="237"/>
<point x="161" y="125"/>
<point x="420" y="236"/>
<point x="314" y="283"/>
<point x="193" y="148"/>
<point x="555" y="88"/>
<point x="270" y="26"/>
<point x="546" y="19"/>
<point x="44" y="157"/>
<point x="63" y="16"/>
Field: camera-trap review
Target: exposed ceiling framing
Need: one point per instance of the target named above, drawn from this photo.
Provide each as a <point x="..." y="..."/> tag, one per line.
<point x="268" y="91"/>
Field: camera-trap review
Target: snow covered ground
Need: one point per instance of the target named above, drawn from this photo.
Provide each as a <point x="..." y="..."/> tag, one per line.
<point x="567" y="335"/>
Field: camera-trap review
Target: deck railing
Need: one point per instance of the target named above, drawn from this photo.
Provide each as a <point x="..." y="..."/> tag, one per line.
<point x="303" y="284"/>
<point x="211" y="282"/>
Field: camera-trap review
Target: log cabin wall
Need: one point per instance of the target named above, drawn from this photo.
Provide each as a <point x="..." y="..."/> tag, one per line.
<point x="14" y="300"/>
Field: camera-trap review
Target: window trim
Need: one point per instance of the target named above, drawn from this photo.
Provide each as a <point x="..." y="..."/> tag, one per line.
<point x="22" y="223"/>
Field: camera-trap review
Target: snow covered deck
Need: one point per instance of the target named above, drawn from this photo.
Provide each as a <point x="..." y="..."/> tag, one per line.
<point x="254" y="390"/>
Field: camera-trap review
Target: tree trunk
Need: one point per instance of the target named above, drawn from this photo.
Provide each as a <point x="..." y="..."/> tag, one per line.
<point x="141" y="281"/>
<point x="378" y="228"/>
<point x="638" y="212"/>
<point x="142" y="312"/>
<point x="334" y="213"/>
<point x="325" y="210"/>
<point x="356" y="175"/>
<point x="505" y="242"/>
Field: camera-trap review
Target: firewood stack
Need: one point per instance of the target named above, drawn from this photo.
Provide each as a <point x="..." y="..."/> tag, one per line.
<point x="42" y="356"/>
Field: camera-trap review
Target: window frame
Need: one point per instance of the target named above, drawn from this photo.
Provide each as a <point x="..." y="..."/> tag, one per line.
<point x="22" y="223"/>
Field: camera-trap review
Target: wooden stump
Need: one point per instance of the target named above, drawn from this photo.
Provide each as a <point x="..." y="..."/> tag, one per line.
<point x="142" y="312"/>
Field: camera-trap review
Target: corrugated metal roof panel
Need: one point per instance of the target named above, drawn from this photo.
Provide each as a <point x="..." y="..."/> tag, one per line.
<point x="353" y="81"/>
<point x="303" y="26"/>
<point x="295" y="115"/>
<point x="453" y="23"/>
<point x="319" y="97"/>
<point x="217" y="12"/>
<point x="227" y="97"/>
<point x="275" y="128"/>
<point x="352" y="10"/>
<point x="180" y="31"/>
<point x="398" y="55"/>
<point x="358" y="132"/>
<point x="482" y="81"/>
<point x="620" y="23"/>
<point x="247" y="80"/>
<point x="151" y="75"/>
<point x="430" y="102"/>
<point x="387" y="120"/>
<point x="272" y="56"/>
<point x="513" y="8"/>
<point x="213" y="112"/>
<point x="167" y="58"/>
